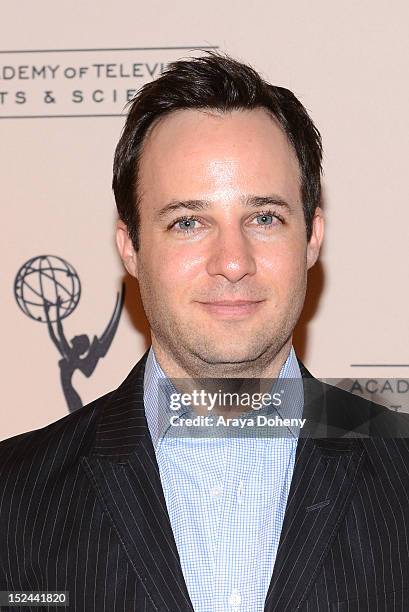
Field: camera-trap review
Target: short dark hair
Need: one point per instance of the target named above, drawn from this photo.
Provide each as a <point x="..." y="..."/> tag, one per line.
<point x="213" y="82"/>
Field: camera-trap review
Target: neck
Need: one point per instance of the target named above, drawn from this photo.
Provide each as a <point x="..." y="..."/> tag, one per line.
<point x="266" y="365"/>
<point x="189" y="374"/>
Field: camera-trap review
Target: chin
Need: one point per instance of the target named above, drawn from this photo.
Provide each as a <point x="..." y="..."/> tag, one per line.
<point x="238" y="353"/>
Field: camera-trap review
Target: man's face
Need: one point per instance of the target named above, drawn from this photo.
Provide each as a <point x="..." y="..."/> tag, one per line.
<point x="223" y="257"/>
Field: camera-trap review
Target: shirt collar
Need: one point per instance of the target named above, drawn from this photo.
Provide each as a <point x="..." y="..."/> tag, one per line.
<point x="157" y="386"/>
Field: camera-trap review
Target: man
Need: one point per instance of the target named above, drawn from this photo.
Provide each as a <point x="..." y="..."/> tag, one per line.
<point x="217" y="184"/>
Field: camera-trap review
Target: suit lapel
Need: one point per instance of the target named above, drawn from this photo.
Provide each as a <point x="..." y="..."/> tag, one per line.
<point x="323" y="482"/>
<point x="124" y="472"/>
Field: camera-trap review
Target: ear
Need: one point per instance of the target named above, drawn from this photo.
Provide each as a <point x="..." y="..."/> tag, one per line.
<point x="126" y="249"/>
<point x="317" y="235"/>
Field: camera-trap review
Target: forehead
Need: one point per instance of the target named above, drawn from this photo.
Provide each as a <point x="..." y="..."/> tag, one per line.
<point x="198" y="150"/>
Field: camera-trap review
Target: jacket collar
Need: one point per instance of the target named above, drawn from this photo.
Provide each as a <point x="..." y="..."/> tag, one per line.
<point x="121" y="424"/>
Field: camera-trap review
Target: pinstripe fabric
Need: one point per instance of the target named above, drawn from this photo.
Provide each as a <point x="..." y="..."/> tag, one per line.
<point x="82" y="509"/>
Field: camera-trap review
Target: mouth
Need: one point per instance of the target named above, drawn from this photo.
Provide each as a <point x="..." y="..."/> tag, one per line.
<point x="231" y="308"/>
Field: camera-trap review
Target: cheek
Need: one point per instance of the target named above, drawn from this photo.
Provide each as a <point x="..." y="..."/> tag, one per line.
<point x="188" y="265"/>
<point x="172" y="271"/>
<point x="284" y="267"/>
<point x="171" y="258"/>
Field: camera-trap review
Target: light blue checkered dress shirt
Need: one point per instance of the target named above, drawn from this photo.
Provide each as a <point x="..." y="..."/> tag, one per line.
<point x="226" y="497"/>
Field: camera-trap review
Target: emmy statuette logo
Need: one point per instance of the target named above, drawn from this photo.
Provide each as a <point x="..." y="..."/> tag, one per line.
<point x="47" y="289"/>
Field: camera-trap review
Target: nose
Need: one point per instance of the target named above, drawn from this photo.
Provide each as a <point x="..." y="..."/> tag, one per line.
<point x="231" y="255"/>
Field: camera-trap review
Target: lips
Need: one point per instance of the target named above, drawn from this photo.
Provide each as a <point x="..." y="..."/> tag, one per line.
<point x="232" y="302"/>
<point x="231" y="308"/>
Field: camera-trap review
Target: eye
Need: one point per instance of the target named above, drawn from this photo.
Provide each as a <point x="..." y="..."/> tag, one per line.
<point x="267" y="219"/>
<point x="264" y="219"/>
<point x="184" y="225"/>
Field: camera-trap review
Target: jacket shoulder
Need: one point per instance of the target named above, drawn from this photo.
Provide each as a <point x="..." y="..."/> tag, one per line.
<point x="343" y="413"/>
<point x="55" y="450"/>
<point x="62" y="441"/>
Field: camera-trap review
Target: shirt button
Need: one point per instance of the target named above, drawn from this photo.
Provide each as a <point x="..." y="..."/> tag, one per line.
<point x="234" y="599"/>
<point x="216" y="492"/>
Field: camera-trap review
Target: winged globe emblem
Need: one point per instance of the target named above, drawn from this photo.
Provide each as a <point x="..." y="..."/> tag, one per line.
<point x="47" y="289"/>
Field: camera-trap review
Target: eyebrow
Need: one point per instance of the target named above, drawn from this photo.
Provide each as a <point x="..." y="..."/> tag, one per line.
<point x="251" y="201"/>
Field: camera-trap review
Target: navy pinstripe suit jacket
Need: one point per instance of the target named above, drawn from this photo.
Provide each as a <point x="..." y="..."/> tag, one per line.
<point x="82" y="510"/>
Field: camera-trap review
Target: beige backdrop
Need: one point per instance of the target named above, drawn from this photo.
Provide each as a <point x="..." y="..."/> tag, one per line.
<point x="348" y="63"/>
